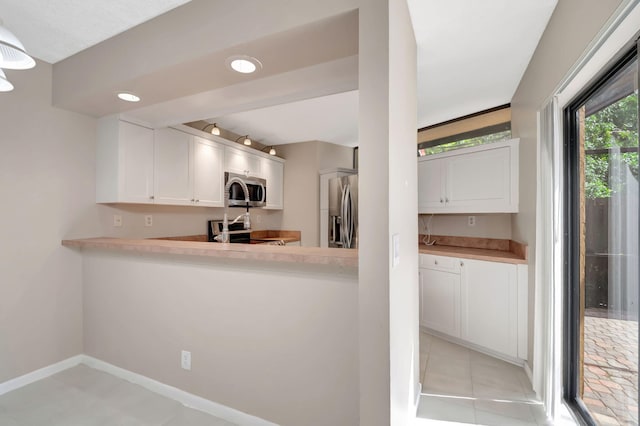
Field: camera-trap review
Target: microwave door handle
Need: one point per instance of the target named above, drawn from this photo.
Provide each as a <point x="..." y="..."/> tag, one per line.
<point x="342" y="224"/>
<point x="264" y="193"/>
<point x="348" y="218"/>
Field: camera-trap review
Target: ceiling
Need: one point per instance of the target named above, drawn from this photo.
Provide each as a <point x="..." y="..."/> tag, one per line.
<point x="54" y="30"/>
<point x="471" y="56"/>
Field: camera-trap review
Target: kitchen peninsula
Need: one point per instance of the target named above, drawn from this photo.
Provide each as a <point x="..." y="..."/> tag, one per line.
<point x="253" y="314"/>
<point x="259" y="252"/>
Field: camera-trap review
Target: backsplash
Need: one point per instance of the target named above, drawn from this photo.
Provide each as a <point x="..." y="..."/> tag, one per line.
<point x="486" y="225"/>
<point x="175" y="220"/>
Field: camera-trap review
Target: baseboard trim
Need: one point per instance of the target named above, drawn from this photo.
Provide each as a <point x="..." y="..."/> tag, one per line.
<point x="528" y="371"/>
<point x="40" y="374"/>
<point x="188" y="399"/>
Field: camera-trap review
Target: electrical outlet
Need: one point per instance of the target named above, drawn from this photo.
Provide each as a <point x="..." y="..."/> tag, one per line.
<point x="117" y="220"/>
<point x="185" y="360"/>
<point x="148" y="220"/>
<point x="471" y="221"/>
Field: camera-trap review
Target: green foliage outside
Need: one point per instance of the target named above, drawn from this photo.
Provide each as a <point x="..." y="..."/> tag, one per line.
<point x="465" y="143"/>
<point x="613" y="126"/>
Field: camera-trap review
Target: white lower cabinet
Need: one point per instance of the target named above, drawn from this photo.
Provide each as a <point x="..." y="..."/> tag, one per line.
<point x="479" y="302"/>
<point x="440" y="301"/>
<point x="489" y="306"/>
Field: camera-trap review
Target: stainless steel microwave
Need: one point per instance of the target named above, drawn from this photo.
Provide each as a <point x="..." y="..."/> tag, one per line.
<point x="257" y="191"/>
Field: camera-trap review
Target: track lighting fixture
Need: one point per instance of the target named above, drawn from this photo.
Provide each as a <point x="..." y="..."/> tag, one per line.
<point x="246" y="141"/>
<point x="215" y="130"/>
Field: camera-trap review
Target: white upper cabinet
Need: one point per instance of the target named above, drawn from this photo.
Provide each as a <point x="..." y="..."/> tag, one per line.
<point x="173" y="167"/>
<point x="136" y="164"/>
<point x="208" y="174"/>
<point x="482" y="179"/>
<point x="273" y="172"/>
<point x="188" y="170"/>
<point x="242" y="162"/>
<point x="124" y="162"/>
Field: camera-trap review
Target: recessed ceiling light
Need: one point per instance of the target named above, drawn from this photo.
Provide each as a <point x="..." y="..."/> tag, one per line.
<point x="243" y="64"/>
<point x="129" y="97"/>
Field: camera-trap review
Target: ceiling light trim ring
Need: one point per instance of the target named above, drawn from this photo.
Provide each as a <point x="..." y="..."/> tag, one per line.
<point x="244" y="64"/>
<point x="128" y="96"/>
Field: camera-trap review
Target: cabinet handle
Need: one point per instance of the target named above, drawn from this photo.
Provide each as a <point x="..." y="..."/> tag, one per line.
<point x="461" y="263"/>
<point x="441" y="200"/>
<point x="435" y="262"/>
<point x="193" y="201"/>
<point x="446" y="200"/>
<point x="197" y="201"/>
<point x="151" y="197"/>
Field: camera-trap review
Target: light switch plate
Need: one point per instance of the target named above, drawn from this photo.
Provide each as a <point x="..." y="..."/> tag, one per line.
<point x="395" y="251"/>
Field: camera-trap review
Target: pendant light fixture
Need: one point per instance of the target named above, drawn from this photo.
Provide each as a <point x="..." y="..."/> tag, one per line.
<point x="5" y="85"/>
<point x="215" y="130"/>
<point x="12" y="53"/>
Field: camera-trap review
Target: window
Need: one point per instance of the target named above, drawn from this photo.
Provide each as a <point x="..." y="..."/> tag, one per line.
<point x="600" y="374"/>
<point x="487" y="126"/>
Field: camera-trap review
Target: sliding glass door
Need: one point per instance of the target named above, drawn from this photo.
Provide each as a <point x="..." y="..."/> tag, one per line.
<point x="601" y="275"/>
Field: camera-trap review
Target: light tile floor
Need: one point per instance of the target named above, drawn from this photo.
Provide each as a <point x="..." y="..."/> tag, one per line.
<point x="82" y="396"/>
<point x="465" y="386"/>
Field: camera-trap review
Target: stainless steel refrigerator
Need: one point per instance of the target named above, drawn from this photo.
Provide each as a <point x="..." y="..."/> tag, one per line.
<point x="343" y="212"/>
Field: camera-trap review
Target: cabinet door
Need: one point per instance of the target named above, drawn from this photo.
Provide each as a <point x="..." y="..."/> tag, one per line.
<point x="208" y="175"/>
<point x="480" y="182"/>
<point x="241" y="162"/>
<point x="173" y="179"/>
<point x="273" y="172"/>
<point x="430" y="185"/>
<point x="136" y="161"/>
<point x="440" y="301"/>
<point x="490" y="305"/>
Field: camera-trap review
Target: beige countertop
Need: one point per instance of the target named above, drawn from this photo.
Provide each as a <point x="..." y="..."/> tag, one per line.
<point x="262" y="252"/>
<point x="494" y="250"/>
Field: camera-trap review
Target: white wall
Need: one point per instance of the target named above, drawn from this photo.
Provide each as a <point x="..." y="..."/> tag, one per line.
<point x="487" y="225"/>
<point x="278" y="341"/>
<point x="387" y="188"/>
<point x="573" y="25"/>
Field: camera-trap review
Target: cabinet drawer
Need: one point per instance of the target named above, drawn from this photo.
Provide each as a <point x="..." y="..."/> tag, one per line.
<point x="440" y="263"/>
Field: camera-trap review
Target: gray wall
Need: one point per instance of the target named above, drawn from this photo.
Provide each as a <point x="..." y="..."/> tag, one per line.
<point x="47" y="183"/>
<point x="573" y="25"/>
<point x="487" y="225"/>
<point x="278" y="341"/>
<point x="47" y="170"/>
<point x="302" y="184"/>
